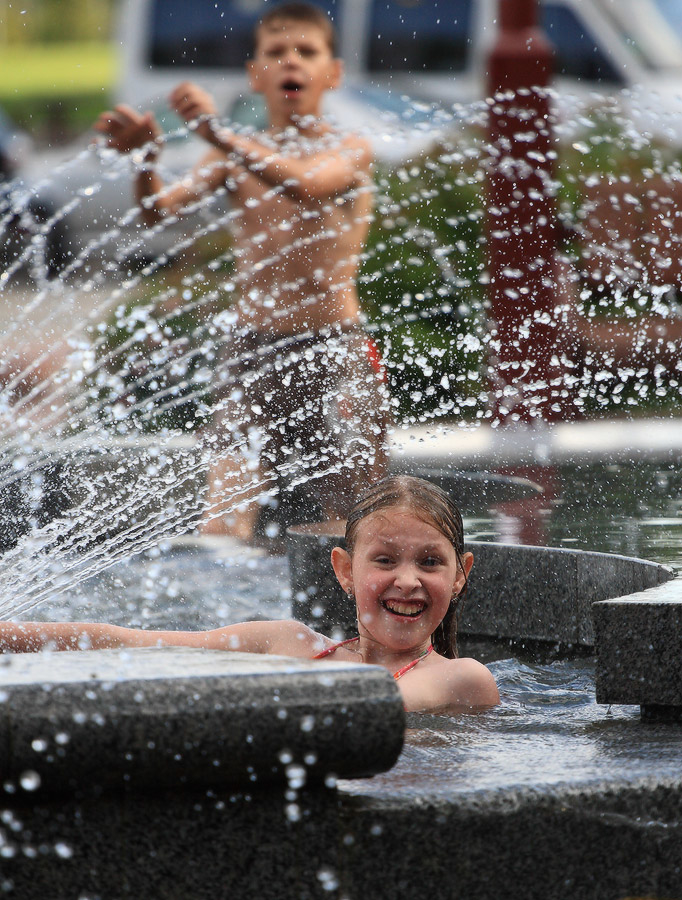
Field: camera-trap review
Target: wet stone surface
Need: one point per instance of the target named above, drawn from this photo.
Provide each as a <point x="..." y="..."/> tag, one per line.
<point x="153" y="717"/>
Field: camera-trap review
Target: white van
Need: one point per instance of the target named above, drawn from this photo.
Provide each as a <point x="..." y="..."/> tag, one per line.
<point x="433" y="51"/>
<point x="429" y="50"/>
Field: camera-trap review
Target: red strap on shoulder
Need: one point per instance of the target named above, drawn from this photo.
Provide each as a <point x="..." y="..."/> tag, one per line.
<point x="328" y="650"/>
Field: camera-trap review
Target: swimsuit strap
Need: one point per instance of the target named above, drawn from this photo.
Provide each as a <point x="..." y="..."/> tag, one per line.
<point x="396" y="675"/>
<point x="411" y="665"/>
<point x="335" y="647"/>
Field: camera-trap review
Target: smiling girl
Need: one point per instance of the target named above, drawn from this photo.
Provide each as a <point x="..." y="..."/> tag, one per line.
<point x="405" y="568"/>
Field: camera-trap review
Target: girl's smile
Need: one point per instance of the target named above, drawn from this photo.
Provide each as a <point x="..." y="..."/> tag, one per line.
<point x="411" y="609"/>
<point x="403" y="573"/>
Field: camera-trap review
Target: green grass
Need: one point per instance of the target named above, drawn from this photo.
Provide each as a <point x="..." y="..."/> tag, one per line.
<point x="56" y="91"/>
<point x="56" y="71"/>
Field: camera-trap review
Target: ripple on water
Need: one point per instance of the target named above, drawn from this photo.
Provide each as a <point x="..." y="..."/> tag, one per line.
<point x="547" y="732"/>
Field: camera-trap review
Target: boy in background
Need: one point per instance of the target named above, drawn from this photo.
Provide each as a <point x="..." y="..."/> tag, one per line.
<point x="295" y="362"/>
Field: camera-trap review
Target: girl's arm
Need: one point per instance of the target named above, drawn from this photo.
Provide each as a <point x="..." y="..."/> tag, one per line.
<point x="29" y="637"/>
<point x="285" y="638"/>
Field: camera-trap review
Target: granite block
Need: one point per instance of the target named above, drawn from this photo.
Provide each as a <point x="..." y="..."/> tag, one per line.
<point x="159" y="717"/>
<point x="639" y="648"/>
<point x="521" y="593"/>
<point x="171" y="845"/>
<point x="316" y="596"/>
<point x="587" y="842"/>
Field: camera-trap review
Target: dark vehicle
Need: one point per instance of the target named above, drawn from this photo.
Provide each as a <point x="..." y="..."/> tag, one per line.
<point x="32" y="238"/>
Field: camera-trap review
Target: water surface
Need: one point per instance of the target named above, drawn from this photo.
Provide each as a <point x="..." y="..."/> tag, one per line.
<point x="548" y="730"/>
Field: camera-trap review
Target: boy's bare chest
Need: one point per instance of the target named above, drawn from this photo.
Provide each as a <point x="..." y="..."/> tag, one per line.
<point x="280" y="218"/>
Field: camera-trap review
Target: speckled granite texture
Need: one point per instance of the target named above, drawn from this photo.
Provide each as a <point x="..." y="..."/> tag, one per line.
<point x="588" y="842"/>
<point x="639" y="651"/>
<point x="156" y="718"/>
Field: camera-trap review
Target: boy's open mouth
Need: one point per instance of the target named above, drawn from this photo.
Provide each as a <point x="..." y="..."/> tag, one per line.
<point x="408" y="609"/>
<point x="291" y="86"/>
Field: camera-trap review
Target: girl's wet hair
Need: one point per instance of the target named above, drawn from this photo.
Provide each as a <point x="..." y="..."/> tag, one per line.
<point x="431" y="504"/>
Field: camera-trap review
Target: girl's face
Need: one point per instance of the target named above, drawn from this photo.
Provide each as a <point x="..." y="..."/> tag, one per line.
<point x="403" y="572"/>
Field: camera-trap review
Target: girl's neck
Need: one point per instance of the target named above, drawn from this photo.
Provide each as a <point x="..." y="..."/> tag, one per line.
<point x="374" y="653"/>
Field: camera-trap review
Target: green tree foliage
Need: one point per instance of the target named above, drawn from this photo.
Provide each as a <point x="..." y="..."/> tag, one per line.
<point x="420" y="284"/>
<point x="50" y="21"/>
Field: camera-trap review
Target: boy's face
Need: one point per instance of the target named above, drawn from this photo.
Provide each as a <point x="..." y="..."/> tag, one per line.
<point x="293" y="67"/>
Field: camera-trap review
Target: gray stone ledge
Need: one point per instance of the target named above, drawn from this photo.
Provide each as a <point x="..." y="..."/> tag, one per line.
<point x="639" y="650"/>
<point x="595" y="842"/>
<point x="167" y="716"/>
<point x="589" y="842"/>
<point x="546" y="593"/>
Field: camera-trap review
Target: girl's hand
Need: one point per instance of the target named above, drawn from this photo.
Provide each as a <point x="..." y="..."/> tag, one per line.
<point x="128" y="130"/>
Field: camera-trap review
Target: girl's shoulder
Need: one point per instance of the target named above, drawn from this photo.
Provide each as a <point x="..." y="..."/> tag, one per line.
<point x="470" y="682"/>
<point x="293" y="638"/>
<point x="450" y="684"/>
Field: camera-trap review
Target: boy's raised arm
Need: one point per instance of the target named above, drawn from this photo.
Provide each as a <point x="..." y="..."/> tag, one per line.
<point x="328" y="173"/>
<point x="316" y="177"/>
<point x="128" y="131"/>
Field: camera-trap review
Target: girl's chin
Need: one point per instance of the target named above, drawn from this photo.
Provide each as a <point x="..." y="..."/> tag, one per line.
<point x="401" y="636"/>
<point x="394" y="631"/>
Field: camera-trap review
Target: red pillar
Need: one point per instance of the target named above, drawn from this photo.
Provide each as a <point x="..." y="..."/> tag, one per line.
<point x="526" y="372"/>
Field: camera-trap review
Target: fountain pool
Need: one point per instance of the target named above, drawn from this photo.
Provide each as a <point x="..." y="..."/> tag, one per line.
<point x="549" y="795"/>
<point x="562" y="735"/>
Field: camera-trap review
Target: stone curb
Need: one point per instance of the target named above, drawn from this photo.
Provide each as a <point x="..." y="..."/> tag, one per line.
<point x="161" y="717"/>
<point x="639" y="651"/>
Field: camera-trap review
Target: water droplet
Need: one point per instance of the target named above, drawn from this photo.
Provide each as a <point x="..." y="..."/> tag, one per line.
<point x="327" y="878"/>
<point x="293" y="812"/>
<point x="30" y="780"/>
<point x="296" y="776"/>
<point x="63" y="851"/>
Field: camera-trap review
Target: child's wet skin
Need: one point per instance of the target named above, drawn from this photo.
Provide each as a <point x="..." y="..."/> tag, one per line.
<point x="406" y="574"/>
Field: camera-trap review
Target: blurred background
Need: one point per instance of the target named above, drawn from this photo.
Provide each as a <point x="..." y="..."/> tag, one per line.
<point x="57" y="65"/>
<point x="416" y="83"/>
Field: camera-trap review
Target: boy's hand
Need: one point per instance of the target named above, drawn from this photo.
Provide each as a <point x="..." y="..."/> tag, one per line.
<point x="196" y="107"/>
<point x="128" y="130"/>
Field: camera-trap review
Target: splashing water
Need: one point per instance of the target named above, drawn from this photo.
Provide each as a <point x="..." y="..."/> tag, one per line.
<point x="112" y="371"/>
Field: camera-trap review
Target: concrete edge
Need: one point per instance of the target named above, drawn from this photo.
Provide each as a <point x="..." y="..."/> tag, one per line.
<point x="160" y="717"/>
<point x="639" y="650"/>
